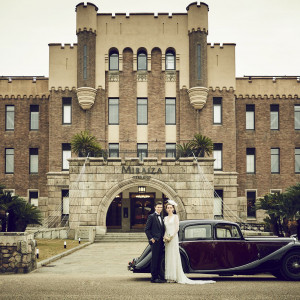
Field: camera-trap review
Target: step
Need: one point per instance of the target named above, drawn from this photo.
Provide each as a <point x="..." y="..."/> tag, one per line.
<point x="121" y="237"/>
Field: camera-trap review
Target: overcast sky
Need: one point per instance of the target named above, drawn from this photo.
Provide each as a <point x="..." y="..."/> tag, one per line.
<point x="266" y="32"/>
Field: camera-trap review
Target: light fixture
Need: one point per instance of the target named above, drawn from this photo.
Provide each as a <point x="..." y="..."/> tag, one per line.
<point x="142" y="189"/>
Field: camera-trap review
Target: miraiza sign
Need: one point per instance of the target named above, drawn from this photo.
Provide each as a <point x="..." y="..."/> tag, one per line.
<point x="139" y="170"/>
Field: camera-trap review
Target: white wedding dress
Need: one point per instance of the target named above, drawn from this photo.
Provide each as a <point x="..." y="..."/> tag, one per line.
<point x="173" y="267"/>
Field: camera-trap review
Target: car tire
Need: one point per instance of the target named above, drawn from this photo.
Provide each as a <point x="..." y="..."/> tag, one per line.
<point x="290" y="266"/>
<point x="162" y="266"/>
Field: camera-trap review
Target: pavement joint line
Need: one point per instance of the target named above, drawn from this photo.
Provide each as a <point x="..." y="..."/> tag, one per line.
<point x="47" y="261"/>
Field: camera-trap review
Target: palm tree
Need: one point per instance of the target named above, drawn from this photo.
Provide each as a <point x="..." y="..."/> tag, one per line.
<point x="202" y="145"/>
<point x="20" y="213"/>
<point x="83" y="144"/>
<point x="184" y="150"/>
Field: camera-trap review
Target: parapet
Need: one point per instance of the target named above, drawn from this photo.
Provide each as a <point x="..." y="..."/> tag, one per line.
<point x="268" y="87"/>
<point x="197" y="17"/>
<point x="23" y="87"/>
<point x="86" y="17"/>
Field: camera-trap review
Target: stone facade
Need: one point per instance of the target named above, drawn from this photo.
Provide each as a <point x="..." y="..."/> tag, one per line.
<point x="91" y="196"/>
<point x="17" y="253"/>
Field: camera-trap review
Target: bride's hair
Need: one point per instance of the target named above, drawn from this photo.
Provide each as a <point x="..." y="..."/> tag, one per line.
<point x="174" y="210"/>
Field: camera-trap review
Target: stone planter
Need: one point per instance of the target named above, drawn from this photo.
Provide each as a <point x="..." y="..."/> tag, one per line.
<point x="198" y="96"/>
<point x="17" y="252"/>
<point x="86" y="97"/>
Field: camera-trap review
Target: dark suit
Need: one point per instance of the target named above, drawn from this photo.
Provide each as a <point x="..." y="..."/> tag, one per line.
<point x="156" y="230"/>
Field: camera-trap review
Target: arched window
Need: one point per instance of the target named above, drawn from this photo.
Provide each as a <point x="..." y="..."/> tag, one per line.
<point x="142" y="60"/>
<point x="114" y="60"/>
<point x="170" y="60"/>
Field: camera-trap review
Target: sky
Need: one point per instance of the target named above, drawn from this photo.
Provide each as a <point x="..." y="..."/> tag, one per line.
<point x="266" y="32"/>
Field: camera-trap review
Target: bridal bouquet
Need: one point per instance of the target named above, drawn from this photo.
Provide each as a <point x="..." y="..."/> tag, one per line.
<point x="167" y="238"/>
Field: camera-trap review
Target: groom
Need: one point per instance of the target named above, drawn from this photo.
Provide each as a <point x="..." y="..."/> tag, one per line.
<point x="155" y="230"/>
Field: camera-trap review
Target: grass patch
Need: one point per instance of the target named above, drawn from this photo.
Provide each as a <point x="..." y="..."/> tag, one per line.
<point x="49" y="248"/>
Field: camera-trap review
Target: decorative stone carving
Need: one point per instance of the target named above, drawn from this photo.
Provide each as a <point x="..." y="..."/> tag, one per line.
<point x="141" y="77"/>
<point x="86" y="97"/>
<point x="198" y="96"/>
<point x="170" y="76"/>
<point x="113" y="77"/>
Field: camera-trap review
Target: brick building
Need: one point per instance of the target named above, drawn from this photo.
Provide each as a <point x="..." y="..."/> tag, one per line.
<point x="141" y="84"/>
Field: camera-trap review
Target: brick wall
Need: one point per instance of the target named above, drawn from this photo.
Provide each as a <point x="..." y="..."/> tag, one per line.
<point x="21" y="139"/>
<point x="263" y="139"/>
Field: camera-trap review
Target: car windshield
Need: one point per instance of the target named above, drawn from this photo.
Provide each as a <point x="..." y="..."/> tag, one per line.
<point x="199" y="231"/>
<point x="225" y="231"/>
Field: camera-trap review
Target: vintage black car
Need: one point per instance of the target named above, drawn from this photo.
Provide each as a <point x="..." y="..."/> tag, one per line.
<point x="218" y="247"/>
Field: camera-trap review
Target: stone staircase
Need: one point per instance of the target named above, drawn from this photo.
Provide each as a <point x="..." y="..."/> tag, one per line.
<point x="121" y="237"/>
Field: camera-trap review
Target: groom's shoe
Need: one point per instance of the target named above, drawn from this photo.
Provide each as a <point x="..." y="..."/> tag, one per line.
<point x="162" y="279"/>
<point x="157" y="280"/>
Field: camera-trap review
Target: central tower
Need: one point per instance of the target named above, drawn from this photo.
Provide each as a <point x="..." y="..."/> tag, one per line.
<point x="198" y="30"/>
<point x="86" y="30"/>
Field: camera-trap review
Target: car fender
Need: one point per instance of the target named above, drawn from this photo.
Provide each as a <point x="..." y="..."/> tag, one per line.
<point x="185" y="256"/>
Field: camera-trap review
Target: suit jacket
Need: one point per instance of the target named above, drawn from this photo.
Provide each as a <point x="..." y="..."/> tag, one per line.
<point x="154" y="229"/>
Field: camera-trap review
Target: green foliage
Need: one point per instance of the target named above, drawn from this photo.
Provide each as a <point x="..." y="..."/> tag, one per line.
<point x="184" y="150"/>
<point x="199" y="146"/>
<point x="20" y="213"/>
<point x="84" y="144"/>
<point x="282" y="209"/>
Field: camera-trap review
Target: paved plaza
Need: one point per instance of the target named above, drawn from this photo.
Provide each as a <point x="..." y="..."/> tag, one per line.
<point x="99" y="271"/>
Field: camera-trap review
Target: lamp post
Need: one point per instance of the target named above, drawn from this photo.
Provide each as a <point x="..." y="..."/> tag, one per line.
<point x="7" y="215"/>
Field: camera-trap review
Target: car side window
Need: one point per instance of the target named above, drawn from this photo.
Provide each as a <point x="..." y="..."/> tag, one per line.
<point x="227" y="231"/>
<point x="195" y="232"/>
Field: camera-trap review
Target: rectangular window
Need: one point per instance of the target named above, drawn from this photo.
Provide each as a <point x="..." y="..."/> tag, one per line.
<point x="297" y="160"/>
<point x="34" y="198"/>
<point x="250" y="116"/>
<point x="218" y="204"/>
<point x="66" y="154"/>
<point x="275" y="160"/>
<point x="9" y="117"/>
<point x="250" y="152"/>
<point x="297" y="116"/>
<point x="113" y="150"/>
<point x="217" y="104"/>
<point x="142" y="151"/>
<point x="170" y="150"/>
<point x="66" y="110"/>
<point x="65" y="208"/>
<point x="251" y="198"/>
<point x="33" y="160"/>
<point x="170" y="111"/>
<point x="34" y="117"/>
<point x="113" y="111"/>
<point x="85" y="62"/>
<point x="218" y="156"/>
<point x="142" y="111"/>
<point x="199" y="61"/>
<point x="9" y="160"/>
<point x="274" y="116"/>
<point x="65" y="202"/>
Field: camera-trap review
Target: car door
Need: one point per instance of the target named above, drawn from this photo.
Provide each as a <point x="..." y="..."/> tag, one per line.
<point x="230" y="249"/>
<point x="197" y="242"/>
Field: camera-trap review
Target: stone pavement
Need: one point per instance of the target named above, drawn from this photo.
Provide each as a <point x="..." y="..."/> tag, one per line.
<point x="99" y="271"/>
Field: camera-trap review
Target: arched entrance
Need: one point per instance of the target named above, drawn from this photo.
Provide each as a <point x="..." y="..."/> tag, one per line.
<point x="139" y="205"/>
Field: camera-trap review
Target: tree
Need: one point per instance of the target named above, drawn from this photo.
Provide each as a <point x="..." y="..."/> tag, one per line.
<point x="202" y="145"/>
<point x="83" y="144"/>
<point x="283" y="209"/>
<point x="20" y="212"/>
<point x="198" y="146"/>
<point x="184" y="150"/>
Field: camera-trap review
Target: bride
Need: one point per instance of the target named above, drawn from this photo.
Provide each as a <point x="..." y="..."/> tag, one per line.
<point x="173" y="267"/>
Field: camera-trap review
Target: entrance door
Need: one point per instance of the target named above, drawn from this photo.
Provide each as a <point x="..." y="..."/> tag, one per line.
<point x="141" y="206"/>
<point x="114" y="217"/>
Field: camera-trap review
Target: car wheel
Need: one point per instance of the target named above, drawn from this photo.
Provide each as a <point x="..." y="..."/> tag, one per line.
<point x="184" y="264"/>
<point x="290" y="266"/>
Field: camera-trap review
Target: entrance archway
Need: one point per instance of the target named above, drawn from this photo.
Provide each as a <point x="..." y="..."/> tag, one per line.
<point x="130" y="183"/>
